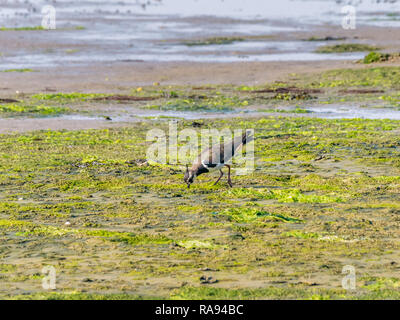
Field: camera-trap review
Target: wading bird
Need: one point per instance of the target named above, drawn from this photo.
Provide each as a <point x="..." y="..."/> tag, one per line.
<point x="214" y="158"/>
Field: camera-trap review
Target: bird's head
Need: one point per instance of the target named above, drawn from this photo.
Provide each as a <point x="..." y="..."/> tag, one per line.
<point x="189" y="176"/>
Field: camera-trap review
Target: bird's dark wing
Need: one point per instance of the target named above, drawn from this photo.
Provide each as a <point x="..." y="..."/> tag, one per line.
<point x="222" y="153"/>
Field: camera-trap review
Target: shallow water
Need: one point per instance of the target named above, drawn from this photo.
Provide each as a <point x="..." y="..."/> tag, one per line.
<point x="346" y="112"/>
<point x="325" y="112"/>
<point x="331" y="112"/>
<point x="304" y="11"/>
<point x="133" y="30"/>
<point x="83" y="122"/>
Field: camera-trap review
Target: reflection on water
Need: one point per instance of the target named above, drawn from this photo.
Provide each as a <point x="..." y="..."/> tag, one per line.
<point x="297" y="10"/>
<point x="347" y="112"/>
<point x="154" y="30"/>
<point x="325" y="112"/>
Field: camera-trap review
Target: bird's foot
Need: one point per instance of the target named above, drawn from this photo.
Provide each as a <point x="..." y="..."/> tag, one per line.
<point x="230" y="183"/>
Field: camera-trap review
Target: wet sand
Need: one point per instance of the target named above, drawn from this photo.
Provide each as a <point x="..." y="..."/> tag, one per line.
<point x="29" y="124"/>
<point x="66" y="186"/>
<point x="120" y="77"/>
<point x="110" y="74"/>
<point x="116" y="76"/>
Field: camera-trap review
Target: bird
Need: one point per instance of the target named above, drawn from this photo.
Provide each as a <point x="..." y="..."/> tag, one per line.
<point x="215" y="158"/>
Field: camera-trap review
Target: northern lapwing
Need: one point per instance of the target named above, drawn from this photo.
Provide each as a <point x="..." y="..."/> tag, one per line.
<point x="215" y="158"/>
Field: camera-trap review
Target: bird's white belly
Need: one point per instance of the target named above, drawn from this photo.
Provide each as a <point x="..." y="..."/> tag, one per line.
<point x="217" y="167"/>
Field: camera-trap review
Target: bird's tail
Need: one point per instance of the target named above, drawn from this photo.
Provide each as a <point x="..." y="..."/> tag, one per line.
<point x="241" y="141"/>
<point x="247" y="137"/>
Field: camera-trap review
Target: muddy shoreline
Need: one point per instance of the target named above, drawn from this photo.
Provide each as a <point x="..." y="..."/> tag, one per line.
<point x="323" y="193"/>
<point x="121" y="77"/>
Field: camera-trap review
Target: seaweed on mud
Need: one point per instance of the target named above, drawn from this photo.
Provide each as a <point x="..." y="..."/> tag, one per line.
<point x="293" y="96"/>
<point x="20" y="109"/>
<point x="374" y="57"/>
<point x="90" y="198"/>
<point x="376" y="77"/>
<point x="360" y="91"/>
<point x="326" y="38"/>
<point x="251" y="215"/>
<point x="18" y="70"/>
<point x="36" y="28"/>
<point x="202" y="103"/>
<point x="213" y="41"/>
<point x="7" y="100"/>
<point x="292" y="90"/>
<point x="123" y="98"/>
<point x="277" y="110"/>
<point x="346" y="47"/>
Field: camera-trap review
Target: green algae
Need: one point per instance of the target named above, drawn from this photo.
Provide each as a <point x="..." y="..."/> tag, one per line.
<point x="206" y="293"/>
<point x="213" y="41"/>
<point x="196" y="244"/>
<point x="78" y="296"/>
<point x="36" y="28"/>
<point x="295" y="110"/>
<point x="373" y="57"/>
<point x="370" y="77"/>
<point x="61" y="97"/>
<point x="346" y="47"/>
<point x="216" y="103"/>
<point x="18" y="70"/>
<point x="248" y="215"/>
<point x="26" y="229"/>
<point x="21" y="109"/>
<point x="302" y="235"/>
<point x="324" y="193"/>
<point x="327" y="38"/>
<point x="284" y="196"/>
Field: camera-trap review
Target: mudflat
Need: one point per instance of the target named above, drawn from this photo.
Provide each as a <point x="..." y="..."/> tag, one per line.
<point x="79" y="194"/>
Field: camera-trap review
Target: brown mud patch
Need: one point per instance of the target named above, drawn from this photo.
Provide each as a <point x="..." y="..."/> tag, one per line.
<point x="289" y="90"/>
<point x="122" y="77"/>
<point x="203" y="88"/>
<point x="26" y="125"/>
<point x="5" y="100"/>
<point x="361" y="91"/>
<point x="125" y="98"/>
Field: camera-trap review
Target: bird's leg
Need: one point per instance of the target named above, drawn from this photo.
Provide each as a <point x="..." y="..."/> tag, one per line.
<point x="219" y="177"/>
<point x="229" y="175"/>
